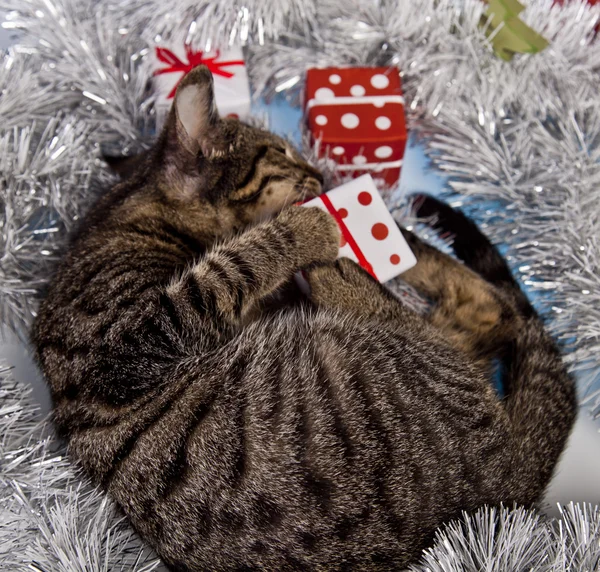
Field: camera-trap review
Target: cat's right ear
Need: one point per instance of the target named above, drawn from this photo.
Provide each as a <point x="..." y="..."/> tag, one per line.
<point x="197" y="120"/>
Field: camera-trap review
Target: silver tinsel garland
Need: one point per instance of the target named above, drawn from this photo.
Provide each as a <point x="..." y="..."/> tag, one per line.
<point x="51" y="517"/>
<point x="518" y="141"/>
<point x="48" y="173"/>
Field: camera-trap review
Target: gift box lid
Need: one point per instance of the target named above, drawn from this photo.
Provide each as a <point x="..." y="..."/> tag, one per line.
<point x="352" y="82"/>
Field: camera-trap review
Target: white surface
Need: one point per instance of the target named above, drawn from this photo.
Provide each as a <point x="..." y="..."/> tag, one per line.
<point x="15" y="354"/>
<point x="577" y="477"/>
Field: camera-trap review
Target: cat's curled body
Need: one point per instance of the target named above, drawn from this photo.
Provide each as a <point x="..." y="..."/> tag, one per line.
<point x="335" y="435"/>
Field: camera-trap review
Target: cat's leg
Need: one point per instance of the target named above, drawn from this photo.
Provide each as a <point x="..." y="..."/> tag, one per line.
<point x="233" y="277"/>
<point x="474" y="315"/>
<point x="346" y="286"/>
<point x="470" y="312"/>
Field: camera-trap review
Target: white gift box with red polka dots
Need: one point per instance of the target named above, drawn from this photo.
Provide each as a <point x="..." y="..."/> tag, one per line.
<point x="357" y="117"/>
<point x="370" y="235"/>
<point x="232" y="89"/>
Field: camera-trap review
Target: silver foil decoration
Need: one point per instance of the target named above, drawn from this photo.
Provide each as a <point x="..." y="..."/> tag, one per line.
<point x="51" y="517"/>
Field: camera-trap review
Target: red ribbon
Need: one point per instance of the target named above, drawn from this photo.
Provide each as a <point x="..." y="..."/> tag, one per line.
<point x="348" y="236"/>
<point x="194" y="59"/>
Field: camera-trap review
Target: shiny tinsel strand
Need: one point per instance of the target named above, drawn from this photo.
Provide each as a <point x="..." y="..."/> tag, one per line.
<point x="506" y="540"/>
<point x="51" y="517"/>
<point x="491" y="539"/>
<point x="28" y="99"/>
<point x="92" y="62"/>
<point x="228" y="22"/>
<point x="576" y="537"/>
<point x="48" y="173"/>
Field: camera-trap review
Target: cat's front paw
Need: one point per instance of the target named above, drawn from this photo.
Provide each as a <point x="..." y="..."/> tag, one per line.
<point x="316" y="232"/>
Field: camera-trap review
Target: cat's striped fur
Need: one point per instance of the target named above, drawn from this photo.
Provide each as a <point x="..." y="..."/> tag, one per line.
<point x="331" y="434"/>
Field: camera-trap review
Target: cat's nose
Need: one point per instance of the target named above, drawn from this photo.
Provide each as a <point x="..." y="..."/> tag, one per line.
<point x="316" y="175"/>
<point x="313" y="173"/>
<point x="314" y="186"/>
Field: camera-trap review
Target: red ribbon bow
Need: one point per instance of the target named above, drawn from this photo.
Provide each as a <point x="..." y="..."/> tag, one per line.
<point x="194" y="59"/>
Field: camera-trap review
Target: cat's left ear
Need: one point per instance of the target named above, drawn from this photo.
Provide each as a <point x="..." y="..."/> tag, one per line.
<point x="197" y="121"/>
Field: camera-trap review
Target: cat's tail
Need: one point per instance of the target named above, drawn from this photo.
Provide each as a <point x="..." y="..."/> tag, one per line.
<point x="540" y="394"/>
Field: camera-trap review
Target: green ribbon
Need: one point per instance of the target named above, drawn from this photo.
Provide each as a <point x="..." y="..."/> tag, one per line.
<point x="508" y="34"/>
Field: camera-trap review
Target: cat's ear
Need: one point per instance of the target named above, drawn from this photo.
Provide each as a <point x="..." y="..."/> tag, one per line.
<point x="197" y="120"/>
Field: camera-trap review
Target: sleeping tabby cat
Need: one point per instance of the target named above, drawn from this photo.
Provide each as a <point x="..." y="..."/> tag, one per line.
<point x="239" y="431"/>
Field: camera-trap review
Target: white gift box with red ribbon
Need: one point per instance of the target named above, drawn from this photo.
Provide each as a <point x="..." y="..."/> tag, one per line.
<point x="370" y="236"/>
<point x="232" y="89"/>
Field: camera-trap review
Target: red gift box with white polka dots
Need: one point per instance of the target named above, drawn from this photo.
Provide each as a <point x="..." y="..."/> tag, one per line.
<point x="370" y="235"/>
<point x="357" y="115"/>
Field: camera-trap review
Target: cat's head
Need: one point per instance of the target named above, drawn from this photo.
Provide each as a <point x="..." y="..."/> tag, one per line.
<point x="235" y="172"/>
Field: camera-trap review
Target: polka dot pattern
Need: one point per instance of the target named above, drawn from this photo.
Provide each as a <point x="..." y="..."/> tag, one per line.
<point x="350" y="120"/>
<point x="365" y="198"/>
<point x="395" y="259"/>
<point x="342" y="212"/>
<point x="324" y="94"/>
<point x="380" y="81"/>
<point x="383" y="152"/>
<point x="383" y="122"/>
<point x="367" y="116"/>
<point x="379" y="231"/>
